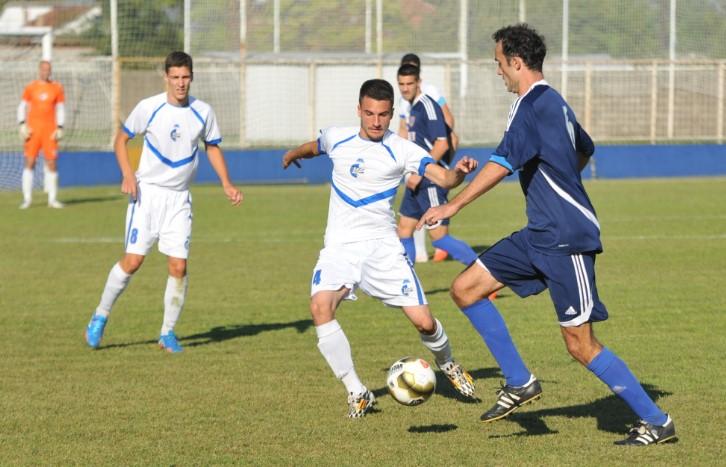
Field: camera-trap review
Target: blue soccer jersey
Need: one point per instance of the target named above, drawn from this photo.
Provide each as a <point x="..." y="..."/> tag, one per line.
<point x="542" y="141"/>
<point x="426" y="123"/>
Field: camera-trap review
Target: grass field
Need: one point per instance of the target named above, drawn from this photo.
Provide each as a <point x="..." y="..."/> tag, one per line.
<point x="251" y="386"/>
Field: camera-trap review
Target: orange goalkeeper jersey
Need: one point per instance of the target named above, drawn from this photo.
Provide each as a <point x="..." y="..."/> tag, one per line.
<point x="41" y="98"/>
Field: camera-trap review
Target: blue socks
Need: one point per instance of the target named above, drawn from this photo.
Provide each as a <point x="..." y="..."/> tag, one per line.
<point x="410" y="246"/>
<point x="616" y="374"/>
<point x="489" y="324"/>
<point x="458" y="250"/>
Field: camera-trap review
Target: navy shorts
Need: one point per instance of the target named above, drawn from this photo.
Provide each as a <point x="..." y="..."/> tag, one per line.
<point x="426" y="195"/>
<point x="569" y="278"/>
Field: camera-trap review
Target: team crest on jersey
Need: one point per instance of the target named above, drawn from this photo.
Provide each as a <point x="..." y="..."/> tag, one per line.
<point x="43" y="96"/>
<point x="174" y="135"/>
<point x="357" y="168"/>
<point x="406" y="288"/>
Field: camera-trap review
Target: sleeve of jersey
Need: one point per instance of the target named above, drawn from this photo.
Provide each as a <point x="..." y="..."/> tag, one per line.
<point x="520" y="143"/>
<point x="324" y="140"/>
<point x="403" y="108"/>
<point x="136" y="121"/>
<point x="416" y="158"/>
<point x="437" y="128"/>
<point x="212" y="135"/>
<point x="583" y="142"/>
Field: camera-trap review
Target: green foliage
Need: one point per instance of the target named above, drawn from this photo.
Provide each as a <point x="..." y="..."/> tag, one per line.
<point x="251" y="387"/>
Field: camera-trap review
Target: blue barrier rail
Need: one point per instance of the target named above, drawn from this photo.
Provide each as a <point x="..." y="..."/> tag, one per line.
<point x="264" y="166"/>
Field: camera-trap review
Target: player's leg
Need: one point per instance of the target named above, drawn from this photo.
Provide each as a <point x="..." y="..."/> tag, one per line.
<point x="116" y="282"/>
<point x="175" y="235"/>
<point x="334" y="278"/>
<point x="433" y="337"/>
<point x="31" y="147"/>
<point x="458" y="249"/>
<point x="50" y="152"/>
<point x="470" y="291"/>
<point x="574" y="294"/>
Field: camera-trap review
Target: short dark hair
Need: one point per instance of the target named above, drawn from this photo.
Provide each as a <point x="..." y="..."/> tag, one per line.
<point x="524" y="42"/>
<point x="409" y="70"/>
<point x="178" y="59"/>
<point x="377" y="89"/>
<point x="411" y="59"/>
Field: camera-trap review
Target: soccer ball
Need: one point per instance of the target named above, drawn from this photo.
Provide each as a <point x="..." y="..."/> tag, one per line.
<point x="411" y="381"/>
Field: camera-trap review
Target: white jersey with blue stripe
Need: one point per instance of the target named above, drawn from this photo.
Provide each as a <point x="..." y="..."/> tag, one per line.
<point x="171" y="133"/>
<point x="366" y="176"/>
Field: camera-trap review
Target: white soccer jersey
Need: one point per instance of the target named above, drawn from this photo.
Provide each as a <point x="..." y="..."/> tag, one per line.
<point x="366" y="175"/>
<point x="171" y="139"/>
<point x="404" y="106"/>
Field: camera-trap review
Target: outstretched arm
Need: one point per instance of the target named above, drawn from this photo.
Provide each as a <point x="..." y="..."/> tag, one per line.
<point x="451" y="178"/>
<point x="304" y="151"/>
<point x="490" y="175"/>
<point x="216" y="158"/>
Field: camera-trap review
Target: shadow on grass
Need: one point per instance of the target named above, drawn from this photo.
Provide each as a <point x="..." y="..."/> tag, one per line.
<point x="224" y="333"/>
<point x="95" y="199"/>
<point x="435" y="428"/>
<point x="611" y="413"/>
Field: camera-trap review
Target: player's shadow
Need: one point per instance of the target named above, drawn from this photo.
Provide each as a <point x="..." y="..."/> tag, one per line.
<point x="435" y="428"/>
<point x="611" y="414"/>
<point x="224" y="333"/>
<point x="95" y="199"/>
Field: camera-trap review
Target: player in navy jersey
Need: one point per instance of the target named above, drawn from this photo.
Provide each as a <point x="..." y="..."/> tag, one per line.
<point x="427" y="128"/>
<point x="557" y="248"/>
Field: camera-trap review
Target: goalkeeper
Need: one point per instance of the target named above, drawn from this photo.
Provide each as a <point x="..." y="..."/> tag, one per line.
<point x="40" y="118"/>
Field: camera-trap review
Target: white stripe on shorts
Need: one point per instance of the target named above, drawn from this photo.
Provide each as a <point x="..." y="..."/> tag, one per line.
<point x="583" y="288"/>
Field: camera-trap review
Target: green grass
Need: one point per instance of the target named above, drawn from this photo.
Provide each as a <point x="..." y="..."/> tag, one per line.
<point x="251" y="386"/>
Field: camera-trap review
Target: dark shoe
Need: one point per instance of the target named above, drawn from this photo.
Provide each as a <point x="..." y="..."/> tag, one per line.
<point x="644" y="433"/>
<point x="510" y="399"/>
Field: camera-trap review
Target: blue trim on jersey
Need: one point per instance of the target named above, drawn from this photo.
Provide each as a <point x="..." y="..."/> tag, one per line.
<point x="127" y="131"/>
<point x="198" y="116"/>
<point x="390" y="193"/>
<point x="501" y="160"/>
<point x="153" y="114"/>
<point x="214" y="142"/>
<point x="169" y="162"/>
<point x="131" y="222"/>
<point x="441" y="102"/>
<point x="424" y="162"/>
<point x="389" y="150"/>
<point x="320" y="147"/>
<point x="341" y="142"/>
<point x="419" y="294"/>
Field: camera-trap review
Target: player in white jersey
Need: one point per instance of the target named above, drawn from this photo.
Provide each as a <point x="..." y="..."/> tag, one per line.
<point x="160" y="205"/>
<point x="361" y="245"/>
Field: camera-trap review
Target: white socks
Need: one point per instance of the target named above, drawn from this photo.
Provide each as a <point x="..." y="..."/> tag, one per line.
<point x="51" y="185"/>
<point x="27" y="185"/>
<point x="176" y="292"/>
<point x="115" y="284"/>
<point x="336" y="349"/>
<point x="438" y="344"/>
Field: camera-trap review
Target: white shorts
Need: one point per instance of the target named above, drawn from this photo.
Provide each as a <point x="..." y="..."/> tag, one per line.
<point x="159" y="214"/>
<point x="379" y="267"/>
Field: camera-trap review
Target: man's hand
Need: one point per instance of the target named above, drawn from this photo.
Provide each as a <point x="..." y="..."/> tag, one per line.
<point x="58" y="133"/>
<point x="466" y="165"/>
<point x="233" y="194"/>
<point x="289" y="158"/>
<point x="129" y="186"/>
<point x="24" y="132"/>
<point x="436" y="214"/>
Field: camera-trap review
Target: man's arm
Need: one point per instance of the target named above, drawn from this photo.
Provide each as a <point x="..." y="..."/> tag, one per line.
<point x="450" y="178"/>
<point x="448" y="116"/>
<point x="402" y="128"/>
<point x="485" y="180"/>
<point x="304" y="151"/>
<point x="437" y="152"/>
<point x="128" y="184"/>
<point x="23" y="128"/>
<point x="216" y="158"/>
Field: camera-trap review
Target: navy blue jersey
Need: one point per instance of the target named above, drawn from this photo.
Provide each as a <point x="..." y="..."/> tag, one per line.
<point x="426" y="124"/>
<point x="542" y="141"/>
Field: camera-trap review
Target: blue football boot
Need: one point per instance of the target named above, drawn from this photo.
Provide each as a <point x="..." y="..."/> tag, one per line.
<point x="170" y="343"/>
<point x="94" y="330"/>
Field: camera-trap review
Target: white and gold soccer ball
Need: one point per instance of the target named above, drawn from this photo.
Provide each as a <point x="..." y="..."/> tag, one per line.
<point x="411" y="381"/>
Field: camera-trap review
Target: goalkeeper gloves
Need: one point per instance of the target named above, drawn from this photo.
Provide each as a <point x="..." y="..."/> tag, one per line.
<point x="58" y="133"/>
<point x="24" y="131"/>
